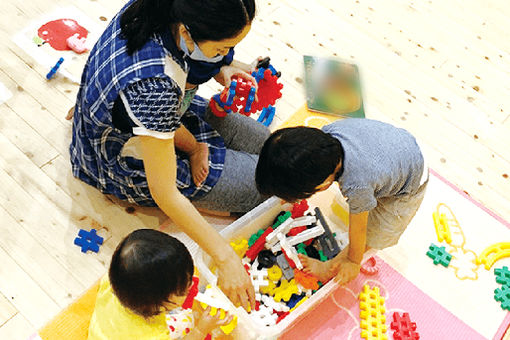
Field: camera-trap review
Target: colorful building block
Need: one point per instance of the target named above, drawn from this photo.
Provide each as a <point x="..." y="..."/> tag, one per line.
<point x="264" y="316"/>
<point x="88" y="240"/>
<point x="282" y="228"/>
<point x="277" y="306"/>
<point x="267" y="115"/>
<point x="266" y="258"/>
<point x="493" y="253"/>
<point x="327" y="240"/>
<point x="403" y="327"/>
<point x="240" y="247"/>
<point x="258" y="245"/>
<point x="502" y="276"/>
<point x="503" y="295"/>
<point x="284" y="265"/>
<point x="289" y="252"/>
<point x="294" y="299"/>
<point x="274" y="273"/>
<point x="285" y="290"/>
<point x="308" y="281"/>
<point x="299" y="208"/>
<point x="269" y="289"/>
<point x="208" y="298"/>
<point x="54" y="69"/>
<point x="193" y="291"/>
<point x="442" y="228"/>
<point x="299" y="303"/>
<point x="303" y="236"/>
<point x="439" y="255"/>
<point x="370" y="267"/>
<point x="372" y="314"/>
<point x="254" y="237"/>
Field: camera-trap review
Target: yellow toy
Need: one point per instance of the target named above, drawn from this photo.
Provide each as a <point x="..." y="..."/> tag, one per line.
<point x="442" y="228"/>
<point x="274" y="273"/>
<point x="208" y="298"/>
<point x="240" y="247"/>
<point x="372" y="314"/>
<point x="285" y="291"/>
<point x="269" y="289"/>
<point x="493" y="253"/>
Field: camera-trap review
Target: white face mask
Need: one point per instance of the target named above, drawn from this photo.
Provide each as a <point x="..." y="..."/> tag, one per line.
<point x="197" y="54"/>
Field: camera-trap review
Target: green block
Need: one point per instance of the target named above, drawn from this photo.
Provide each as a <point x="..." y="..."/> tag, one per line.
<point x="282" y="219"/>
<point x="324" y="258"/>
<point x="253" y="238"/>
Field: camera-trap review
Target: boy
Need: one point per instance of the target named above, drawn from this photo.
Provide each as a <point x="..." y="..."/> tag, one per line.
<point x="380" y="170"/>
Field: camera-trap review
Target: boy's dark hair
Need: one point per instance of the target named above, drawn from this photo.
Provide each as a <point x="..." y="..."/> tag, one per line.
<point x="294" y="161"/>
<point x="206" y="19"/>
<point x="146" y="268"/>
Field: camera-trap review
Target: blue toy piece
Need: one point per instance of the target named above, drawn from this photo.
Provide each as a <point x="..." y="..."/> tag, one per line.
<point x="251" y="98"/>
<point x="439" y="255"/>
<point x="231" y="93"/>
<point x="217" y="99"/>
<point x="54" y="69"/>
<point x="294" y="299"/>
<point x="267" y="115"/>
<point x="259" y="74"/>
<point x="88" y="240"/>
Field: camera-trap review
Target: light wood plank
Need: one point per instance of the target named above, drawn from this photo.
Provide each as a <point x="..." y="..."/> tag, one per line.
<point x="7" y="310"/>
<point x="17" y="328"/>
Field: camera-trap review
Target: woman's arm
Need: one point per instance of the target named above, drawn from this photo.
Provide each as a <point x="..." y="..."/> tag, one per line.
<point x="161" y="177"/>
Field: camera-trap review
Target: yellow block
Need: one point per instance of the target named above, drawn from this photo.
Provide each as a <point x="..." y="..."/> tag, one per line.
<point x="305" y="117"/>
<point x="493" y="253"/>
<point x="442" y="228"/>
<point x="372" y="314"/>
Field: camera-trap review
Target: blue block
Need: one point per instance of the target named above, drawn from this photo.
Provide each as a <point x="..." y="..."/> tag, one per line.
<point x="231" y="93"/>
<point x="54" y="69"/>
<point x="249" y="101"/>
<point x="270" y="116"/>
<point x="294" y="299"/>
<point x="88" y="240"/>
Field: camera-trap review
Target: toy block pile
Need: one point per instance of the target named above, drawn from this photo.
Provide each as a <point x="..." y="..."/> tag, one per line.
<point x="270" y="256"/>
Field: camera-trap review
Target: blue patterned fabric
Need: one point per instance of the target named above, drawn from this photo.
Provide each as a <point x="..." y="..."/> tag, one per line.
<point x="154" y="102"/>
<point x="96" y="144"/>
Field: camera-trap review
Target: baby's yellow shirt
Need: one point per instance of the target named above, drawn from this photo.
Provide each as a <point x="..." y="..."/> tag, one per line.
<point x="111" y="320"/>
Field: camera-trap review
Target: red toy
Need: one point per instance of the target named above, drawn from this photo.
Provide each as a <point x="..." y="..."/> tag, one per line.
<point x="299" y="208"/>
<point x="258" y="245"/>
<point x="240" y="95"/>
<point x="370" y="267"/>
<point x="404" y="328"/>
<point x="193" y="291"/>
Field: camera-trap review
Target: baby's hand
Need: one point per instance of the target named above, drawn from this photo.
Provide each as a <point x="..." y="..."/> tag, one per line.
<point x="347" y="271"/>
<point x="207" y="323"/>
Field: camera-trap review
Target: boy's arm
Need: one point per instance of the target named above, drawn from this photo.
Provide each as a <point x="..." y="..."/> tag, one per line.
<point x="348" y="265"/>
<point x="357" y="236"/>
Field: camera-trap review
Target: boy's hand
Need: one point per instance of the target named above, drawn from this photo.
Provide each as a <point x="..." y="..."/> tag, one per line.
<point x="207" y="323"/>
<point x="347" y="271"/>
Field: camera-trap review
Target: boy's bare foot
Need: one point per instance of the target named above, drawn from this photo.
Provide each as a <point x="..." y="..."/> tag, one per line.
<point x="199" y="162"/>
<point x="324" y="271"/>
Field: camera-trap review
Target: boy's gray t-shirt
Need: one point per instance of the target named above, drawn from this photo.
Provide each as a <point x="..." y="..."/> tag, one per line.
<point x="380" y="160"/>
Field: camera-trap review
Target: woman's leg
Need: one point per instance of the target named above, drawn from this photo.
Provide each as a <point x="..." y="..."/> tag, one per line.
<point x="235" y="191"/>
<point x="239" y="132"/>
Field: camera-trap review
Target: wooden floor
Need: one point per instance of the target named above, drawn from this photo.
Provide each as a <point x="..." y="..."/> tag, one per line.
<point x="439" y="68"/>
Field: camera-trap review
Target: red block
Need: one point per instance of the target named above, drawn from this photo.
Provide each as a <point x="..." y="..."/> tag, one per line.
<point x="258" y="245"/>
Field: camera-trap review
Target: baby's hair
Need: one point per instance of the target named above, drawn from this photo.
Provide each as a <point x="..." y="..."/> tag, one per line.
<point x="147" y="267"/>
<point x="294" y="161"/>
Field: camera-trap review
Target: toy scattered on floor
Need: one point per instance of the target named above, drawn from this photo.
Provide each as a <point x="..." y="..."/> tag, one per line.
<point x="54" y="69"/>
<point x="266" y="115"/>
<point x="503" y="294"/>
<point x="494" y="253"/>
<point x="442" y="228"/>
<point x="370" y="267"/>
<point x="372" y="314"/>
<point x="240" y="97"/>
<point x="274" y="267"/>
<point x="88" y="240"/>
<point x="439" y="255"/>
<point x="403" y="327"/>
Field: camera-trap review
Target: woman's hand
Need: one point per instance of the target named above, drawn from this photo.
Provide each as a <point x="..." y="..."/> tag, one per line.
<point x="235" y="282"/>
<point x="235" y="68"/>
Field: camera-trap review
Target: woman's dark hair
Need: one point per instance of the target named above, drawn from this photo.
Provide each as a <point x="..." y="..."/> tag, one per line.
<point x="146" y="268"/>
<point x="206" y="19"/>
<point x="294" y="161"/>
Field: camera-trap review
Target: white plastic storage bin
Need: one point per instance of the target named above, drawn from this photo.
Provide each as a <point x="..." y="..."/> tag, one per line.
<point x="262" y="217"/>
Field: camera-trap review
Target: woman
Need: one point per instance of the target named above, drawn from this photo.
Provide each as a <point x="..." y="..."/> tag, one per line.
<point x="141" y="134"/>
